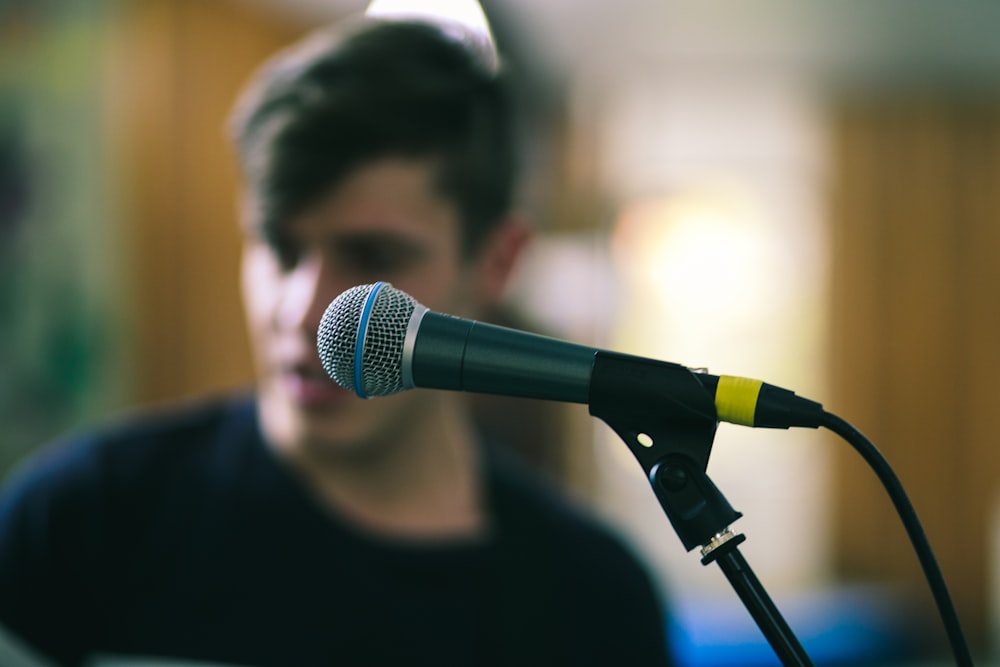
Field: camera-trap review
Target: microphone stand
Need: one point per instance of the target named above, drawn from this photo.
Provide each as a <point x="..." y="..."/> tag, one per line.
<point x="668" y="420"/>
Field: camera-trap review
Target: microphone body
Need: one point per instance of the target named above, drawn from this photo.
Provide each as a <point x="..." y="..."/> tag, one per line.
<point x="377" y="340"/>
<point x="465" y="355"/>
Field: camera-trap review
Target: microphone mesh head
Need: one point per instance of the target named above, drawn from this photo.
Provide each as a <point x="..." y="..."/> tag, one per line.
<point x="381" y="339"/>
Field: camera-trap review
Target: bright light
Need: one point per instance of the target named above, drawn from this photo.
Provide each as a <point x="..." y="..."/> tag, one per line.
<point x="703" y="255"/>
<point x="463" y="19"/>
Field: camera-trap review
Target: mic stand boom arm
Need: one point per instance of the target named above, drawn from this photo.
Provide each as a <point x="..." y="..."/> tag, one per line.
<point x="668" y="419"/>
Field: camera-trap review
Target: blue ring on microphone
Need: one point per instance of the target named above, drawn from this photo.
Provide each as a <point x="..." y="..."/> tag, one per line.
<point x="359" y="345"/>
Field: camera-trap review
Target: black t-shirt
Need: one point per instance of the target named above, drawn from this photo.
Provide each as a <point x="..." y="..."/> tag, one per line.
<point x="181" y="536"/>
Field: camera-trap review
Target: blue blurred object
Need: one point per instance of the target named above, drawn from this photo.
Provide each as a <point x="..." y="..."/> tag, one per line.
<point x="852" y="626"/>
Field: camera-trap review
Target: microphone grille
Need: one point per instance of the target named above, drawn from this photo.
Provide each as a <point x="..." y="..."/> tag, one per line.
<point x="380" y="335"/>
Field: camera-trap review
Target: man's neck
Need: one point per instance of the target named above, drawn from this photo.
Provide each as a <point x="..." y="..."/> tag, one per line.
<point x="425" y="486"/>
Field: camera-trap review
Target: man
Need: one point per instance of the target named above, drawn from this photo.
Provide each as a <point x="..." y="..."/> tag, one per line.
<point x="304" y="526"/>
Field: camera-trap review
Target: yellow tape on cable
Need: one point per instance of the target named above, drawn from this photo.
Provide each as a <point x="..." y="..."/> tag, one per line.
<point x="736" y="399"/>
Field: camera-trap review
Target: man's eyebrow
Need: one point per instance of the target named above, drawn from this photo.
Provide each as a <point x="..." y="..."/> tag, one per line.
<point x="368" y="240"/>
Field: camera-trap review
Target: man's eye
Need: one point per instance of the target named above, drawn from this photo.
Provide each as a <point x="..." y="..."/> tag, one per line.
<point x="287" y="253"/>
<point x="379" y="258"/>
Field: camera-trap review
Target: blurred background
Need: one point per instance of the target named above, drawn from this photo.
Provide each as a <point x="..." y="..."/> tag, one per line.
<point x="804" y="192"/>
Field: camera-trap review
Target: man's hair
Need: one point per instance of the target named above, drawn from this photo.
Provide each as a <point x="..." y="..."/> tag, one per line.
<point x="344" y="98"/>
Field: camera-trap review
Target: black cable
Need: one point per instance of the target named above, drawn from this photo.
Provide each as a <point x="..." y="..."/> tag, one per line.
<point x="914" y="530"/>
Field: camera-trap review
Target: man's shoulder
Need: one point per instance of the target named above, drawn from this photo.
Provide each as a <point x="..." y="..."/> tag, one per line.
<point x="132" y="447"/>
<point x="194" y="419"/>
<point x="532" y="505"/>
<point x="588" y="572"/>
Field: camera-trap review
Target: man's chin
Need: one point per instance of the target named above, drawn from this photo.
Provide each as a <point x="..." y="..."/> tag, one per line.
<point x="351" y="429"/>
<point x="344" y="449"/>
<point x="332" y="435"/>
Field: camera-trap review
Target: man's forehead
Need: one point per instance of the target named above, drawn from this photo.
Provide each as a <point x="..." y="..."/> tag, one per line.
<point x="387" y="199"/>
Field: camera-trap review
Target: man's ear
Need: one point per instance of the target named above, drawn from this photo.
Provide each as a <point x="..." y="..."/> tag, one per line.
<point x="498" y="257"/>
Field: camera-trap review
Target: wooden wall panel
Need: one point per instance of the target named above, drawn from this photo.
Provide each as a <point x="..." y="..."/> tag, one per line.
<point x="916" y="325"/>
<point x="182" y="64"/>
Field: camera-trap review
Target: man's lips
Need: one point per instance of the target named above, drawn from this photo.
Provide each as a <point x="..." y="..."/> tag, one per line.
<point x="309" y="385"/>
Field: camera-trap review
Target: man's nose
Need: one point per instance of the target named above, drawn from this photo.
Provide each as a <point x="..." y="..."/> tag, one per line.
<point x="309" y="289"/>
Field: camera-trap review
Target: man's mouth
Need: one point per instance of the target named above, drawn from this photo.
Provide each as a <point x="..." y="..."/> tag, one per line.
<point x="310" y="386"/>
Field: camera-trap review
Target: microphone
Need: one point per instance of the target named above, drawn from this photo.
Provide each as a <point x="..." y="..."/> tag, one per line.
<point x="376" y="340"/>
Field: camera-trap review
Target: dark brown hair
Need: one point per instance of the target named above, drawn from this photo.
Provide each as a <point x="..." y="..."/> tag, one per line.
<point x="377" y="89"/>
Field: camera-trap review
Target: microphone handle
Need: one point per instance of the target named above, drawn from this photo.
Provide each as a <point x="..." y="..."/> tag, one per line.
<point x="464" y="355"/>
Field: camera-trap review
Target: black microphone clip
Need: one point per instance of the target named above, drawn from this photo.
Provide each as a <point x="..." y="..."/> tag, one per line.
<point x="667" y="417"/>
